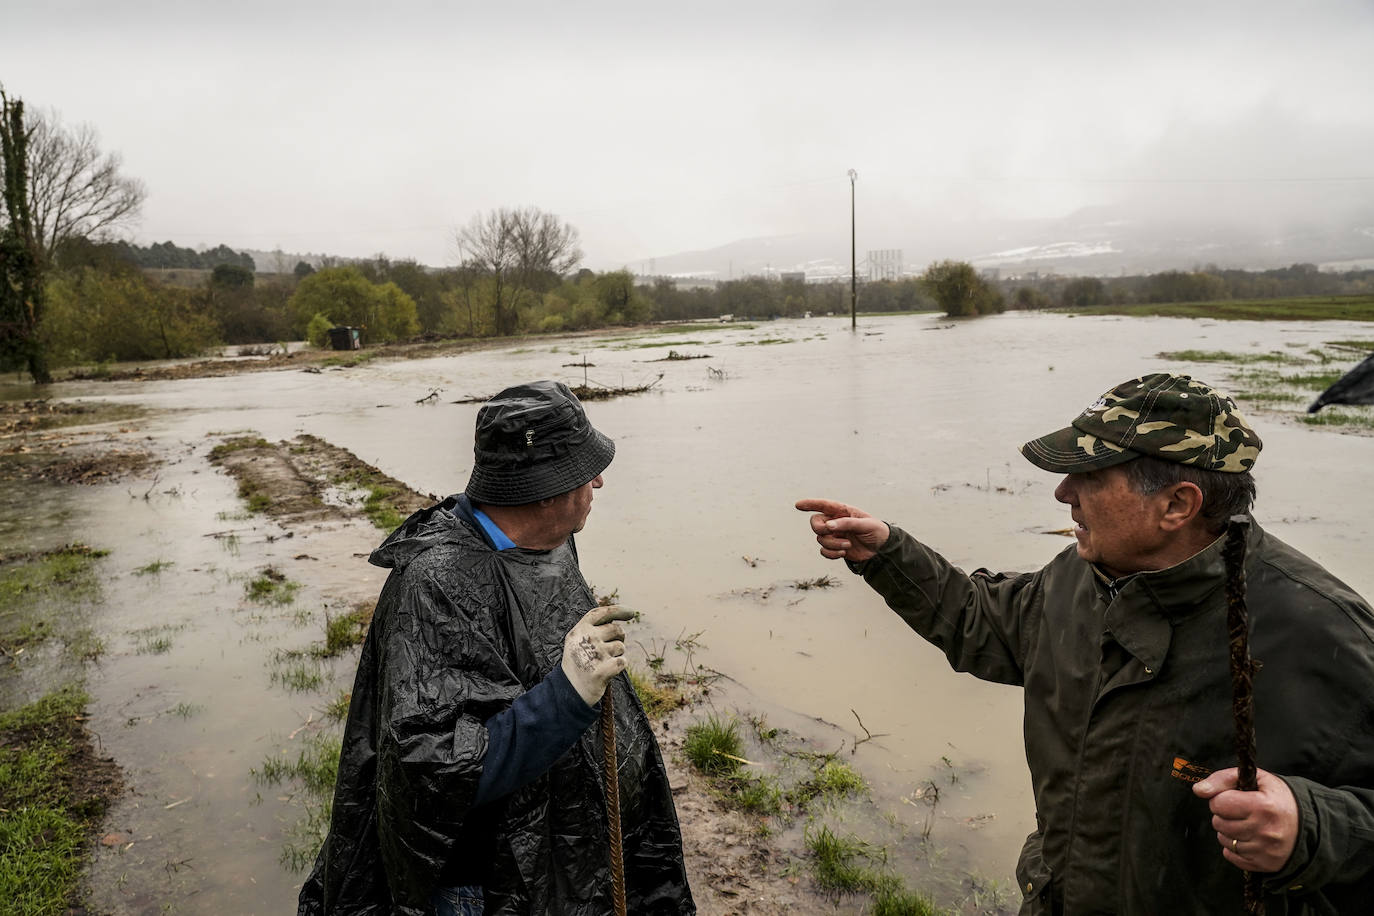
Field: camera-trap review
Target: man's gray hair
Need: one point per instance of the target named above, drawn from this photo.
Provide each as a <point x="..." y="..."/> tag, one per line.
<point x="1223" y="494"/>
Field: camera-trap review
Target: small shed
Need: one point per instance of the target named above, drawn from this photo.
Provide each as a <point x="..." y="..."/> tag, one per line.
<point x="345" y="338"/>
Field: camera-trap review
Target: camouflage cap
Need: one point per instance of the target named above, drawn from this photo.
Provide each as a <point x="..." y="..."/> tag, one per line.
<point x="1169" y="416"/>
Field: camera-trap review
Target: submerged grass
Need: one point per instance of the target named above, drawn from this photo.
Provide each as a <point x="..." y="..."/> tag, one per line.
<point x="832" y="780"/>
<point x="1289" y="391"/>
<point x="271" y="587"/>
<point x="296" y="671"/>
<point x="313" y="771"/>
<point x="347" y="630"/>
<point x="41" y="594"/>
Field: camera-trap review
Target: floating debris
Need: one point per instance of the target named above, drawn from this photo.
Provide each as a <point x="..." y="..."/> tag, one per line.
<point x="821" y="582"/>
<point x="674" y="356"/>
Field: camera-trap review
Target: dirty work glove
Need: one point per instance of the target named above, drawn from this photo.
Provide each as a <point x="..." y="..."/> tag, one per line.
<point x="594" y="651"/>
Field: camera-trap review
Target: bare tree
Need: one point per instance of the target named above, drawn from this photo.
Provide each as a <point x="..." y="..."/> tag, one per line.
<point x="521" y="249"/>
<point x="75" y="190"/>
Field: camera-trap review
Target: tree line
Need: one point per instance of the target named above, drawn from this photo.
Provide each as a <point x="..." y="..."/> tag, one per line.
<point x="168" y="255"/>
<point x="69" y="294"/>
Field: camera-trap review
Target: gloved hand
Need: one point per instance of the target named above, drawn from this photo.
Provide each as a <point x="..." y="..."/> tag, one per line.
<point x="594" y="651"/>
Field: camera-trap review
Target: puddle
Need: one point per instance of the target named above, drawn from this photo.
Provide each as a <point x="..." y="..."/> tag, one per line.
<point x="694" y="527"/>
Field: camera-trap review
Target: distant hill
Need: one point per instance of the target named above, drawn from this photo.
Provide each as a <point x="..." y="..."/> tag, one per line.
<point x="1102" y="241"/>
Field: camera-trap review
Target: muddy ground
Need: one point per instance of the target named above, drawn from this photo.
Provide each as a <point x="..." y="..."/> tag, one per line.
<point x="736" y="863"/>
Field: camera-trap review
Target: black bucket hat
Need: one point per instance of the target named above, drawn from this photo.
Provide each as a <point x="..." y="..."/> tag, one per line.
<point x="534" y="441"/>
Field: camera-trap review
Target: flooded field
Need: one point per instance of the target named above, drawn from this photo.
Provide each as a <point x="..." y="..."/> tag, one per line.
<point x="913" y="418"/>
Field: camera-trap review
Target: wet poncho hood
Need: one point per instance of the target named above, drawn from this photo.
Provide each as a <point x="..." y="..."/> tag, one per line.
<point x="460" y="631"/>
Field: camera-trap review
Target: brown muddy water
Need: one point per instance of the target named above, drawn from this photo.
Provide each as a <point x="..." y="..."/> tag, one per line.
<point x="911" y="418"/>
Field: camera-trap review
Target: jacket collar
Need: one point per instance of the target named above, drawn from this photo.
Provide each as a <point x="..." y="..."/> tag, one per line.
<point x="1144" y="607"/>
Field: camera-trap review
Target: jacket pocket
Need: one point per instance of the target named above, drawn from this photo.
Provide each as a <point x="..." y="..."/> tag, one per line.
<point x="1034" y="878"/>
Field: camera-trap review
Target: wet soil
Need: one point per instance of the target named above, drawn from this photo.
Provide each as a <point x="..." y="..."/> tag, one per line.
<point x="92" y="781"/>
<point x="36" y="443"/>
<point x="297" y="480"/>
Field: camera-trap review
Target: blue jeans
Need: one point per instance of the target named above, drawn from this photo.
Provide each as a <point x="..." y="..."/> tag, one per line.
<point x="457" y="901"/>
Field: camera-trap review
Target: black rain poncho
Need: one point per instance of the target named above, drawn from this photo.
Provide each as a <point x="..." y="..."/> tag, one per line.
<point x="460" y="631"/>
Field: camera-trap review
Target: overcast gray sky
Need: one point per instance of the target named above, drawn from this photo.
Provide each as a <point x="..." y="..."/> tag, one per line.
<point x="354" y="129"/>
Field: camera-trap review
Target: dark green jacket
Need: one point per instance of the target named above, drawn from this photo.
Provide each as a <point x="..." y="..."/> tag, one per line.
<point x="1128" y="697"/>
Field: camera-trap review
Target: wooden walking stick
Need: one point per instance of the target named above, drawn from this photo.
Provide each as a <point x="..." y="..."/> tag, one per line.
<point x="613" y="801"/>
<point x="1242" y="681"/>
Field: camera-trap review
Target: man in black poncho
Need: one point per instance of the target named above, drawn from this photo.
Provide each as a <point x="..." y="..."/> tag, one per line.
<point x="470" y="779"/>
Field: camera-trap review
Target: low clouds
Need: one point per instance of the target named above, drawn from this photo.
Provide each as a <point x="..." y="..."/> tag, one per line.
<point x="349" y="129"/>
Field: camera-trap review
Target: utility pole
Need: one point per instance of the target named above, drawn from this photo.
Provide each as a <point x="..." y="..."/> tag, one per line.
<point x="853" y="259"/>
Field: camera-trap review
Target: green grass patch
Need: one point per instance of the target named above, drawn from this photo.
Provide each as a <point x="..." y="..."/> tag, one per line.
<point x="237" y="444"/>
<point x="832" y="780"/>
<point x="657" y="699"/>
<point x="44" y="822"/>
<point x="271" y="587"/>
<point x="297" y="671"/>
<point x="713" y="746"/>
<point x="1303" y="308"/>
<point x="895" y="901"/>
<point x="82" y="643"/>
<point x="381" y="509"/>
<point x="845" y="864"/>
<point x="346" y="630"/>
<point x="1363" y="347"/>
<point x="1315" y="381"/>
<point x="1270" y="398"/>
<point x="758" y="795"/>
<point x="354" y="358"/>
<point x="1341" y="416"/>
<point x="337" y="708"/>
<point x="313" y="770"/>
<point x="765" y="342"/>
<point x="154" y="640"/>
<point x="154" y="568"/>
<point x="1223" y="356"/>
<point x="258" y="500"/>
<point x="647" y="344"/>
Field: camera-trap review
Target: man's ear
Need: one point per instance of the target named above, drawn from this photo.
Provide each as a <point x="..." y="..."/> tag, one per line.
<point x="1182" y="504"/>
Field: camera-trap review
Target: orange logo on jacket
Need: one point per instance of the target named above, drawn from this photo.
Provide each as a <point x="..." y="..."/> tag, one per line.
<point x="1189" y="772"/>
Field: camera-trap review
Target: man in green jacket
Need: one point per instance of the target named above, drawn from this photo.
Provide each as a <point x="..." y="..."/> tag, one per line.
<point x="1120" y="645"/>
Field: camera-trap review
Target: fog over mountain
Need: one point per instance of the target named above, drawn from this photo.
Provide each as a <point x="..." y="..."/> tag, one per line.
<point x="1099" y="241"/>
